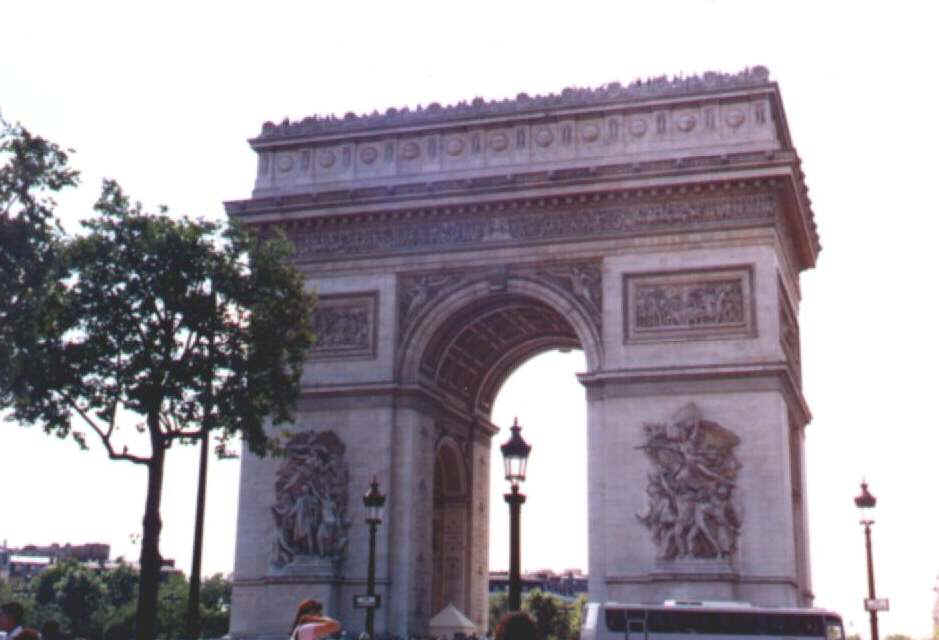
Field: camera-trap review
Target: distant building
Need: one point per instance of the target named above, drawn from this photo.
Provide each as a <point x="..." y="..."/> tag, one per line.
<point x="27" y="561"/>
<point x="25" y="567"/>
<point x="569" y="583"/>
<point x="92" y="552"/>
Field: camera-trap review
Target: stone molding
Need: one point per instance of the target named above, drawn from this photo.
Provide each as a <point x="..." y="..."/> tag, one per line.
<point x="729" y="576"/>
<point x="389" y="395"/>
<point x="538" y="221"/>
<point x="263" y="581"/>
<point x="346" y="325"/>
<point x="660" y="87"/>
<point x="686" y="380"/>
<point x="701" y="304"/>
<point x="775" y="163"/>
<point x="789" y="339"/>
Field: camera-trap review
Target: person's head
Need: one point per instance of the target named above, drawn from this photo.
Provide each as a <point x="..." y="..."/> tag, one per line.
<point x="28" y="634"/>
<point x="307" y="608"/>
<point x="516" y="626"/>
<point x="11" y="616"/>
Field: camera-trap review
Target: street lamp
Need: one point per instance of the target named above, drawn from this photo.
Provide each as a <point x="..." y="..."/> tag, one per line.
<point x="515" y="456"/>
<point x="867" y="501"/>
<point x="374" y="506"/>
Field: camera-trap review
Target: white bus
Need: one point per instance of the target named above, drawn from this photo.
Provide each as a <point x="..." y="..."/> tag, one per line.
<point x="706" y="621"/>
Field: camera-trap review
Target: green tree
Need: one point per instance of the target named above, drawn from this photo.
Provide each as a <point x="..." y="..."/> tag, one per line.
<point x="216" y="592"/>
<point x="174" y="326"/>
<point x="498" y="607"/>
<point x="215" y="604"/>
<point x="575" y="616"/>
<point x="121" y="583"/>
<point x="32" y="169"/>
<point x="548" y="612"/>
<point x="82" y="597"/>
<point x="73" y="595"/>
<point x="171" y="607"/>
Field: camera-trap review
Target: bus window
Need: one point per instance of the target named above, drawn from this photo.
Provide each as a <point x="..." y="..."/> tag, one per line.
<point x="833" y="628"/>
<point x="615" y="619"/>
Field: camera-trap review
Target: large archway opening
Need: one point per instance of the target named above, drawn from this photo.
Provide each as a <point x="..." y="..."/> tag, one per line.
<point x="550" y="405"/>
<point x="468" y="356"/>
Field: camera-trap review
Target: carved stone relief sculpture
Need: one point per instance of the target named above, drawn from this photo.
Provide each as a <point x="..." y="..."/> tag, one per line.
<point x="345" y="325"/>
<point x="581" y="281"/>
<point x="695" y="305"/>
<point x="310" y="500"/>
<point x="691" y="511"/>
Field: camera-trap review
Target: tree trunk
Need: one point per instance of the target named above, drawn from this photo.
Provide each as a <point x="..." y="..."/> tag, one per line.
<point x="150" y="546"/>
<point x="193" y="621"/>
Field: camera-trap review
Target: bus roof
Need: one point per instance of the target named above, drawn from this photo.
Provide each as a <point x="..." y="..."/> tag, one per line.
<point x="671" y="605"/>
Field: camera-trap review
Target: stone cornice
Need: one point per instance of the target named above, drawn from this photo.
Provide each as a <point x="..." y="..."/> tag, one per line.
<point x="610" y="94"/>
<point x="354" y="206"/>
<point x="761" y="376"/>
<point x="568" y="216"/>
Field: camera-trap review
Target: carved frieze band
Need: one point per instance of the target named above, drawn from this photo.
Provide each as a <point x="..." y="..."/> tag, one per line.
<point x="579" y="280"/>
<point x="345" y="325"/>
<point x="789" y="333"/>
<point x="430" y="231"/>
<point x="689" y="305"/>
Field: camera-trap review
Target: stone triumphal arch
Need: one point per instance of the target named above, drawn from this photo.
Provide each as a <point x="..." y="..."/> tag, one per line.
<point x="661" y="227"/>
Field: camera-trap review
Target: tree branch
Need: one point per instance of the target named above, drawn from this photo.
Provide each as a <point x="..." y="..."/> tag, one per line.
<point x="192" y="435"/>
<point x="105" y="436"/>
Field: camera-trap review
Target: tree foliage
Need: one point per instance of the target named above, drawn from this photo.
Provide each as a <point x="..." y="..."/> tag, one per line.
<point x="172" y="326"/>
<point x="555" y="617"/>
<point x="32" y="169"/>
<point x="96" y="603"/>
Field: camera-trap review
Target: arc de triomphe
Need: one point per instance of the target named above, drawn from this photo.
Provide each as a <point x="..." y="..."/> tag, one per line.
<point x="661" y="227"/>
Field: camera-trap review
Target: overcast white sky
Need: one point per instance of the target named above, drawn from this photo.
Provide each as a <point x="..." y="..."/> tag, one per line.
<point x="162" y="96"/>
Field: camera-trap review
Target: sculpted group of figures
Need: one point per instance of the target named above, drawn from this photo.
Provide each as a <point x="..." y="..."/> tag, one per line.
<point x="690" y="305"/>
<point x="691" y="512"/>
<point x="310" y="500"/>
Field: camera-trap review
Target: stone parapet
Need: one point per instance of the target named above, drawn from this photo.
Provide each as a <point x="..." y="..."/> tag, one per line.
<point x="435" y="163"/>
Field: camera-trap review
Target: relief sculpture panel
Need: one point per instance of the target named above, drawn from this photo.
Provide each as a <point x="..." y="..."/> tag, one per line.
<point x="310" y="500"/>
<point x="345" y="325"/>
<point x="691" y="511"/>
<point x="697" y="305"/>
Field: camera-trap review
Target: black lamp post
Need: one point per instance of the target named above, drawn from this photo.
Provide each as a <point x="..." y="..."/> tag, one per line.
<point x="867" y="501"/>
<point x="374" y="506"/>
<point x="515" y="455"/>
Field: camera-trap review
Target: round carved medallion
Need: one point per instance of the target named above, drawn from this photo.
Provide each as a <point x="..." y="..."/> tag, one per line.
<point x="285" y="162"/>
<point x="734" y="118"/>
<point x="590" y="132"/>
<point x="410" y="150"/>
<point x="499" y="142"/>
<point x="455" y="146"/>
<point x="686" y="122"/>
<point x="368" y="155"/>
<point x="544" y="137"/>
<point x="638" y="127"/>
<point x="327" y="159"/>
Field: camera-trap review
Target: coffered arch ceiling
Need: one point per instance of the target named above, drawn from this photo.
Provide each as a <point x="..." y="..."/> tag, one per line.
<point x="471" y="355"/>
